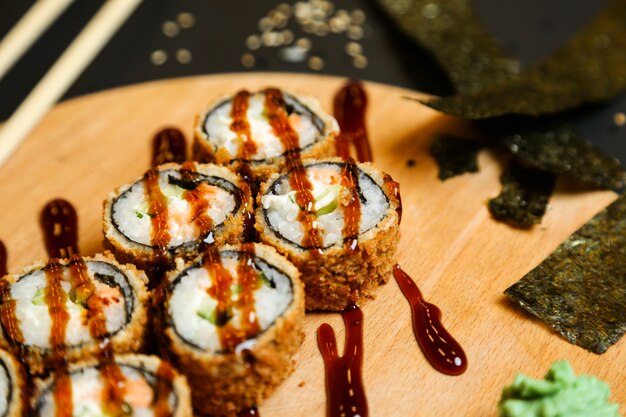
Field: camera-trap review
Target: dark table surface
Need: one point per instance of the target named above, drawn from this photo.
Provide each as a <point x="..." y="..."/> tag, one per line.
<point x="529" y="31"/>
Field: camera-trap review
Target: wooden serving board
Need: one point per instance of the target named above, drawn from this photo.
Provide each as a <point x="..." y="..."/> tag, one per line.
<point x="460" y="258"/>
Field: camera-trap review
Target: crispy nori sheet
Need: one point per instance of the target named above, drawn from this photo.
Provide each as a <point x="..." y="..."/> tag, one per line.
<point x="555" y="146"/>
<point x="454" y="155"/>
<point x="580" y="289"/>
<point x="591" y="67"/>
<point x="451" y="32"/>
<point x="524" y="197"/>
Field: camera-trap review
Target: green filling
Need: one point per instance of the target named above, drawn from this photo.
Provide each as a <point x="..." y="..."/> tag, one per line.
<point x="560" y="394"/>
<point x="214" y="317"/>
<point x="327" y="209"/>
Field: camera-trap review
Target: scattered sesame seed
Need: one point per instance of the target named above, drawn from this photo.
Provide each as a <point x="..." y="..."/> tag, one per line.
<point x="170" y="29"/>
<point x="186" y="20"/>
<point x="158" y="57"/>
<point x="265" y="24"/>
<point x="321" y="29"/>
<point x="316" y="63"/>
<point x="183" y="56"/>
<point x="358" y="16"/>
<point x="359" y="61"/>
<point x="253" y="42"/>
<point x="285" y="9"/>
<point x="353" y="48"/>
<point x="288" y="36"/>
<point x="247" y="60"/>
<point x="619" y="119"/>
<point x="355" y="32"/>
<point x="304" y="43"/>
<point x="272" y="39"/>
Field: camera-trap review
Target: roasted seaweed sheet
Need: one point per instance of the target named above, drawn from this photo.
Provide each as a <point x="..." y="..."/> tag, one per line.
<point x="524" y="197"/>
<point x="454" y="155"/>
<point x="580" y="289"/>
<point x="555" y="146"/>
<point x="591" y="67"/>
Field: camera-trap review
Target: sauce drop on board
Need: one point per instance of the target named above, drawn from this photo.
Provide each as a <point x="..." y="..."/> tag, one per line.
<point x="442" y="351"/>
<point x="344" y="386"/>
<point x="350" y="104"/>
<point x="4" y="270"/>
<point x="169" y="145"/>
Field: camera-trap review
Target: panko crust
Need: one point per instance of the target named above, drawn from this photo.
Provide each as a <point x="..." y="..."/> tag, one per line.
<point x="19" y="388"/>
<point x="204" y="151"/>
<point x="145" y="257"/>
<point x="129" y="338"/>
<point x="225" y="383"/>
<point x="341" y="277"/>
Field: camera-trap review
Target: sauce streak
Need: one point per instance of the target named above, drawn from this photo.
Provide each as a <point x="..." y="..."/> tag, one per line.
<point x="279" y="120"/>
<point x="59" y="223"/>
<point x="157" y="210"/>
<point x="199" y="205"/>
<point x="344" y="385"/>
<point x="249" y="281"/>
<point x="442" y="351"/>
<point x="4" y="270"/>
<point x="351" y="211"/>
<point x="350" y="104"/>
<point x="169" y="145"/>
<point x="164" y="386"/>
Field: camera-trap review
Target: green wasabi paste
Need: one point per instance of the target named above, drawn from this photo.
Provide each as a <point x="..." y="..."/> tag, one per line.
<point x="560" y="394"/>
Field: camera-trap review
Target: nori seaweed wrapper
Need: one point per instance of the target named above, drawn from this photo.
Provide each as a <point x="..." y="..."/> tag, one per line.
<point x="524" y="197"/>
<point x="455" y="156"/>
<point x="580" y="289"/>
<point x="452" y="33"/>
<point x="554" y="146"/>
<point x="591" y="67"/>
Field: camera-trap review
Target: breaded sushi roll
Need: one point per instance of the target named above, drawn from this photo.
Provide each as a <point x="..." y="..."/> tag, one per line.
<point x="13" y="387"/>
<point x="73" y="305"/>
<point x="139" y="385"/>
<point x="338" y="222"/>
<point x="232" y="320"/>
<point x="240" y="128"/>
<point x="170" y="211"/>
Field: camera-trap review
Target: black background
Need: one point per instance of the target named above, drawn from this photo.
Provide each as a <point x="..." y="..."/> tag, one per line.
<point x="528" y="30"/>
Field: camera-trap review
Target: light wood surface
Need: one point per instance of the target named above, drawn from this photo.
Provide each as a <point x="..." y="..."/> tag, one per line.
<point x="461" y="259"/>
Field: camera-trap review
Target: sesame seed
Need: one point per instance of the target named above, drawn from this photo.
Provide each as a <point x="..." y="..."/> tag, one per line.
<point x="183" y="56"/>
<point x="170" y="29"/>
<point x="304" y="43"/>
<point x="247" y="60"/>
<point x="619" y="119"/>
<point x="253" y="42"/>
<point x="287" y="36"/>
<point x="353" y="48"/>
<point x="316" y="63"/>
<point x="358" y="16"/>
<point x="265" y="24"/>
<point x="359" y="61"/>
<point x="186" y="20"/>
<point x="158" y="57"/>
<point x="355" y="32"/>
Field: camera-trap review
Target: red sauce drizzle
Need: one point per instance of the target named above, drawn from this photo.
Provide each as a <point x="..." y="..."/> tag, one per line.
<point x="169" y="145"/>
<point x="55" y="298"/>
<point x="351" y="211"/>
<point x="344" y="385"/>
<point x="247" y="149"/>
<point x="3" y="260"/>
<point x="249" y="281"/>
<point x="59" y="223"/>
<point x="442" y="351"/>
<point x="157" y="210"/>
<point x="278" y="119"/>
<point x="110" y="372"/>
<point x="349" y="109"/>
<point x="164" y="386"/>
<point x="198" y="203"/>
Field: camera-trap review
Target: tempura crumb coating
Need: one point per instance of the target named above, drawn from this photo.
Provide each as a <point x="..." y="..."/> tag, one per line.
<point x="129" y="338"/>
<point x="341" y="277"/>
<point x="225" y="383"/>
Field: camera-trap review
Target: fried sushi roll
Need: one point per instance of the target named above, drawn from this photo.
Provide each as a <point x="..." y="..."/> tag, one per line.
<point x="13" y="387"/>
<point x="338" y="222"/>
<point x="73" y="305"/>
<point x="240" y="129"/>
<point x="232" y="321"/>
<point x="171" y="210"/>
<point x="139" y="386"/>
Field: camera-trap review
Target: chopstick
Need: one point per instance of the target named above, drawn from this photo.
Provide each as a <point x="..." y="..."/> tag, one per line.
<point x="36" y="20"/>
<point x="64" y="72"/>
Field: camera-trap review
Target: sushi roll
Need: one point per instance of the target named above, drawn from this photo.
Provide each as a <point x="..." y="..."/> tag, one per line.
<point x="172" y="210"/>
<point x="73" y="306"/>
<point x="13" y="387"/>
<point x="140" y="386"/>
<point x="232" y="321"/>
<point x="338" y="222"/>
<point x="242" y="128"/>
